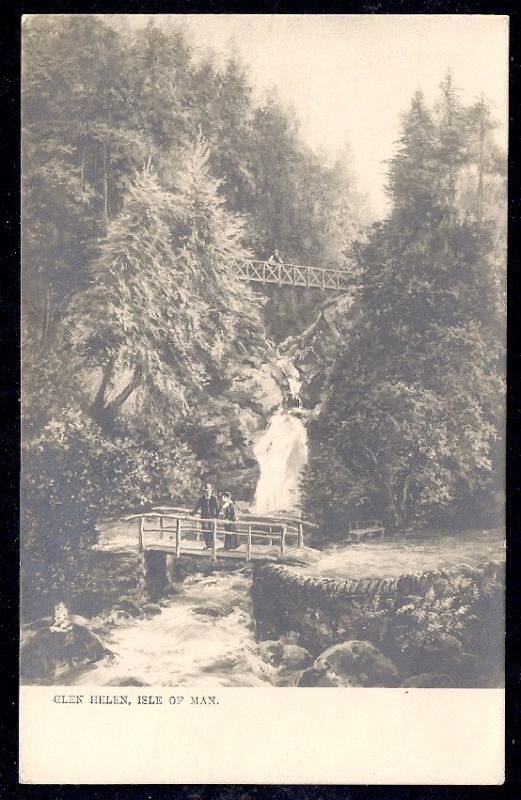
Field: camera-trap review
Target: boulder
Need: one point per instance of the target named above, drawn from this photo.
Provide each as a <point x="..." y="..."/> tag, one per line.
<point x="49" y="654"/>
<point x="211" y="611"/>
<point x="128" y="605"/>
<point x="313" y="677"/>
<point x="151" y="608"/>
<point x="295" y="657"/>
<point x="443" y="654"/>
<point x="271" y="652"/>
<point x="428" y="680"/>
<point x="357" y="663"/>
<point x="116" y="617"/>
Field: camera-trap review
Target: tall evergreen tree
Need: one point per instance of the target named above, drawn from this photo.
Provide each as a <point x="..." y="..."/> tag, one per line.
<point x="410" y="425"/>
<point x="164" y="307"/>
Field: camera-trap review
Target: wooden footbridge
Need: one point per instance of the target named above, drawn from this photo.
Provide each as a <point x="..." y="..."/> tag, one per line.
<point x="258" y="538"/>
<point x="293" y="275"/>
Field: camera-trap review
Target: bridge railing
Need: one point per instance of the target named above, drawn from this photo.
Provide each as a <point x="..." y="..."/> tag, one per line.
<point x="184" y="528"/>
<point x="294" y="524"/>
<point x="293" y="275"/>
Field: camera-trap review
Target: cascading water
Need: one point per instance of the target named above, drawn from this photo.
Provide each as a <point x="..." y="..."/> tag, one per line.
<point x="281" y="453"/>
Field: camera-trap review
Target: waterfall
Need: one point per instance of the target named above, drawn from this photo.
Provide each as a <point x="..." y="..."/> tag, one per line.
<point x="281" y="453"/>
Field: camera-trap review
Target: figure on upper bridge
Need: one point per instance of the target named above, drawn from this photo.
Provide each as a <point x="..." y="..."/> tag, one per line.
<point x="275" y="259"/>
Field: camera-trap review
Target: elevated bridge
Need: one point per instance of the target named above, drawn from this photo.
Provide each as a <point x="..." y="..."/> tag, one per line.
<point x="293" y="275"/>
<point x="171" y="530"/>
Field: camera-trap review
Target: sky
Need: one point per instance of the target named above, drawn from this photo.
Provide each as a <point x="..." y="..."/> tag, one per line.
<point x="349" y="77"/>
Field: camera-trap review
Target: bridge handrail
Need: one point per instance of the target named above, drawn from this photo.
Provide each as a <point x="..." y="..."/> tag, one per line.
<point x="218" y="527"/>
<point x="288" y="264"/>
<point x="194" y="518"/>
<point x="253" y="517"/>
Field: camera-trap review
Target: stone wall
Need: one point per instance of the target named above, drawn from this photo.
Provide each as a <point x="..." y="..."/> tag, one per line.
<point x="447" y="624"/>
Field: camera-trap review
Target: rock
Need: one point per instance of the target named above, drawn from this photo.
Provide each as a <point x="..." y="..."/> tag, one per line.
<point x="291" y="637"/>
<point x="295" y="657"/>
<point x="314" y="677"/>
<point x="117" y="616"/>
<point x="445" y="654"/>
<point x="127" y="682"/>
<point x="271" y="652"/>
<point x="79" y="620"/>
<point x="428" y="680"/>
<point x="49" y="654"/>
<point x="357" y="663"/>
<point x="152" y="608"/>
<point x="126" y="604"/>
<point x="212" y="611"/>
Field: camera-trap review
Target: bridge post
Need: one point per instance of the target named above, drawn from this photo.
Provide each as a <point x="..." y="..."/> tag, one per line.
<point x="214" y="541"/>
<point x="283" y="542"/>
<point x="141" y="535"/>
<point x="178" y="538"/>
<point x="161" y="532"/>
<point x="300" y="538"/>
<point x="248" y="544"/>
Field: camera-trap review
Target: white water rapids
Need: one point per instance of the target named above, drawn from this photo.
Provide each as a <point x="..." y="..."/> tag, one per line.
<point x="204" y="636"/>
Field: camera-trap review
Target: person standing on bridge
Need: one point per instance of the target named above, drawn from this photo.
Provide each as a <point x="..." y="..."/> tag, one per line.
<point x="275" y="259"/>
<point x="209" y="509"/>
<point x="231" y="540"/>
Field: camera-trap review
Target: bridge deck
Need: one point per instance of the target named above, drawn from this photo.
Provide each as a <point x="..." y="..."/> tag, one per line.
<point x="267" y="554"/>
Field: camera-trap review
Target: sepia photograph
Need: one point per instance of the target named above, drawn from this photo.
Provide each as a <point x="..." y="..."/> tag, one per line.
<point x="264" y="342"/>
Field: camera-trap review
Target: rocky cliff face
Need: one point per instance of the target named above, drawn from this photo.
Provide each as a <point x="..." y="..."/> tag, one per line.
<point x="441" y="627"/>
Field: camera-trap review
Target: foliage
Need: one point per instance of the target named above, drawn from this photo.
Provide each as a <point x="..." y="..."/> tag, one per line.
<point x="72" y="476"/>
<point x="415" y="403"/>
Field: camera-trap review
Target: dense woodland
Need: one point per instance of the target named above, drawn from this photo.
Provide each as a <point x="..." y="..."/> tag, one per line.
<point x="148" y="172"/>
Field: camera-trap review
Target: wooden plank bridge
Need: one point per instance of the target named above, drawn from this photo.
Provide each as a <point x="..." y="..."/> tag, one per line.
<point x="293" y="275"/>
<point x="173" y="531"/>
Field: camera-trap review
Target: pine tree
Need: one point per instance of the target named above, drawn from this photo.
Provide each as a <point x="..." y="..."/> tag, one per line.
<point x="413" y="416"/>
<point x="164" y="308"/>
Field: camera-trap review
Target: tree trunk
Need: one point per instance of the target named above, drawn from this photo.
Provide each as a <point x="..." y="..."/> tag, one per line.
<point x="106" y="169"/>
<point x="98" y="405"/>
<point x="481" y="167"/>
<point x="114" y="406"/>
<point x="82" y="167"/>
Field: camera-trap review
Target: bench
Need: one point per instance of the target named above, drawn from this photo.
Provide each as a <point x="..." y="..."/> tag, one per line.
<point x="366" y="529"/>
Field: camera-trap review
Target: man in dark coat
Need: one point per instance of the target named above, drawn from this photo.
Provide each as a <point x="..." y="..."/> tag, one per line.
<point x="208" y="507"/>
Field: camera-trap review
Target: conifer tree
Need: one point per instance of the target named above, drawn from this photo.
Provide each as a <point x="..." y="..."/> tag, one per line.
<point x="411" y="423"/>
<point x="164" y="308"/>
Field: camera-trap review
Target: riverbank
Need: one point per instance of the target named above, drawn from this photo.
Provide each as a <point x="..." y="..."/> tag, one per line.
<point x="218" y="627"/>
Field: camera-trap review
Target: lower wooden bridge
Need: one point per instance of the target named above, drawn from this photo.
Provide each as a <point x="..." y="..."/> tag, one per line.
<point x="175" y="532"/>
<point x="294" y="275"/>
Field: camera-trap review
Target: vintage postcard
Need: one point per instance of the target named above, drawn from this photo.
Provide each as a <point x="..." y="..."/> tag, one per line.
<point x="263" y="456"/>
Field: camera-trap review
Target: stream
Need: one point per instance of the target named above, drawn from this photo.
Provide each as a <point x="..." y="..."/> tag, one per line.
<point x="203" y="636"/>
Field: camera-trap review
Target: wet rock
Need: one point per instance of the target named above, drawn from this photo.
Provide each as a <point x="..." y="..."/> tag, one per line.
<point x="128" y="605"/>
<point x="445" y="654"/>
<point x="295" y="657"/>
<point x="291" y="637"/>
<point x="117" y="616"/>
<point x="314" y="677"/>
<point x="212" y="611"/>
<point x="152" y="608"/>
<point x="357" y="663"/>
<point x="49" y="654"/>
<point x="271" y="652"/>
<point x="428" y="680"/>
